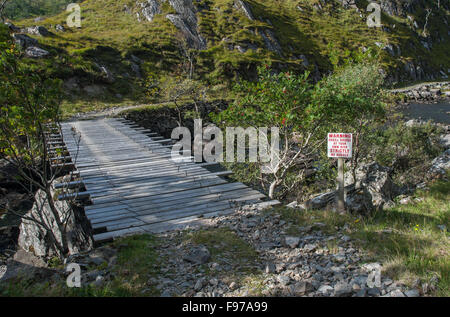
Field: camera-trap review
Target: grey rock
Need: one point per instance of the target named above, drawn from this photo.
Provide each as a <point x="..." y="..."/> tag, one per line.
<point x="309" y="247"/>
<point x="321" y="201"/>
<point x="59" y="28"/>
<point x="373" y="291"/>
<point x="214" y="282"/>
<point x="361" y="293"/>
<point x="292" y="242"/>
<point x="166" y="293"/>
<point x="270" y="268"/>
<point x="302" y="288"/>
<point x="36" y="52"/>
<point x="107" y="74"/>
<point x="199" y="255"/>
<point x="71" y="84"/>
<point x="135" y="59"/>
<point x="37" y="30"/>
<point x="271" y="41"/>
<point x="245" y="8"/>
<point x="325" y="289"/>
<point x="150" y="8"/>
<point x="199" y="284"/>
<point x="14" y="269"/>
<point x="440" y="165"/>
<point x="96" y="260"/>
<point x="292" y="205"/>
<point x="377" y="181"/>
<point x="412" y="293"/>
<point x="396" y="293"/>
<point x="305" y="60"/>
<point x="186" y="21"/>
<point x="342" y="289"/>
<point x="283" y="280"/>
<point x="24" y="40"/>
<point x="33" y="238"/>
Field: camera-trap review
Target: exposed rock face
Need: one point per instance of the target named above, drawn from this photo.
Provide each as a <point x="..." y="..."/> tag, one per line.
<point x="36" y="52"/>
<point x="34" y="238"/>
<point x="440" y="165"/>
<point x="150" y="8"/>
<point x="397" y="7"/>
<point x="377" y="181"/>
<point x="36" y="30"/>
<point x="107" y="75"/>
<point x="24" y="41"/>
<point x="186" y="21"/>
<point x="349" y="4"/>
<point x="271" y="41"/>
<point x="245" y="8"/>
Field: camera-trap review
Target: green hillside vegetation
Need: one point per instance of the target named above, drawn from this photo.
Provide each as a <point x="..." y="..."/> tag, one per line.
<point x="110" y="33"/>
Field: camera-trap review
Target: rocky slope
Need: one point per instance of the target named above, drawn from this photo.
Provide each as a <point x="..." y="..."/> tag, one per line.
<point x="122" y="41"/>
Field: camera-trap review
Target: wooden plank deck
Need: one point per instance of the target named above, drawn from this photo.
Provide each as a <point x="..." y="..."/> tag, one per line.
<point x="134" y="184"/>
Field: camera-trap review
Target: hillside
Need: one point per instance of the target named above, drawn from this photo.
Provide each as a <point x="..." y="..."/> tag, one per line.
<point x="21" y="9"/>
<point x="122" y="41"/>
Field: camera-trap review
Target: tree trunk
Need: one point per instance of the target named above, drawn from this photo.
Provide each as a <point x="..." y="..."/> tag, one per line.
<point x="63" y="246"/>
<point x="272" y="188"/>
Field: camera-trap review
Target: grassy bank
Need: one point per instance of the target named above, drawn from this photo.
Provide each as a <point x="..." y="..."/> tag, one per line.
<point x="408" y="240"/>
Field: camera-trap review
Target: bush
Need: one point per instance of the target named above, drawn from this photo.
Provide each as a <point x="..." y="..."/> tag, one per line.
<point x="345" y="101"/>
<point x="407" y="148"/>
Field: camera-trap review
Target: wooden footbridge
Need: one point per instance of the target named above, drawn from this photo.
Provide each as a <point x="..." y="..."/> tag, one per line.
<point x="135" y="186"/>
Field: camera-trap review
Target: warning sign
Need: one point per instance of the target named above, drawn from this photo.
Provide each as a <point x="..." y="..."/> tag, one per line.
<point x="340" y="145"/>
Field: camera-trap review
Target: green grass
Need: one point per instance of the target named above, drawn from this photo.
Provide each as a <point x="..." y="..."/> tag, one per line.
<point x="406" y="238"/>
<point x="136" y="263"/>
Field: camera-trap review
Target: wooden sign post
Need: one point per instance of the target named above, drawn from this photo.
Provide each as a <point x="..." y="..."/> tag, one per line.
<point x="340" y="147"/>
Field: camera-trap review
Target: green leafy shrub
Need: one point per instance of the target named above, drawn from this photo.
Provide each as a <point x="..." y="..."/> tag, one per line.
<point x="407" y="148"/>
<point x="345" y="101"/>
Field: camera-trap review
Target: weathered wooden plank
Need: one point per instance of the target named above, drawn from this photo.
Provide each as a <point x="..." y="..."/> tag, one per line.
<point x="135" y="184"/>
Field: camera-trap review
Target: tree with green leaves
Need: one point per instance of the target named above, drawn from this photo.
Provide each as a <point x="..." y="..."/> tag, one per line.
<point x="304" y="113"/>
<point x="29" y="111"/>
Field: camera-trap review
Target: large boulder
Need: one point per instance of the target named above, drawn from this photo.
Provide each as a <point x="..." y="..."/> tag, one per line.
<point x="24" y="41"/>
<point x="37" y="30"/>
<point x="373" y="189"/>
<point x="376" y="180"/>
<point x="35" y="52"/>
<point x="439" y="166"/>
<point x="35" y="239"/>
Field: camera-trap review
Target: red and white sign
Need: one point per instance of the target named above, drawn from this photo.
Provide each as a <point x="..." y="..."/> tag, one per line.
<point x="340" y="145"/>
